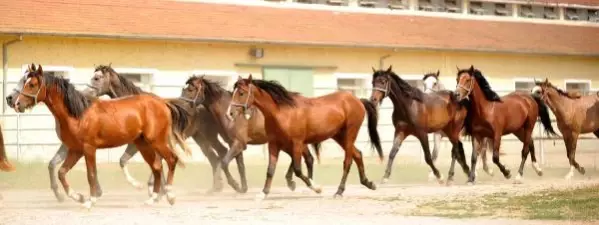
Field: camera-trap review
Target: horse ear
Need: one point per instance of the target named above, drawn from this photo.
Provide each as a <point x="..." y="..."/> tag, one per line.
<point x="471" y="68"/>
<point x="457" y="68"/>
<point x="438" y="71"/>
<point x="373" y="70"/>
<point x="110" y="64"/>
<point x="32" y="67"/>
<point x="239" y="78"/>
<point x="389" y="69"/>
<point x="250" y="78"/>
<point x="39" y="69"/>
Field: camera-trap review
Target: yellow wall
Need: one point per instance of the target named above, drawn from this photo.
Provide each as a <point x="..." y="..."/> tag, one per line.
<point x="176" y="60"/>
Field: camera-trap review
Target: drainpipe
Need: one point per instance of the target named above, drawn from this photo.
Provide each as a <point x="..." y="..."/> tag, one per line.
<point x="381" y="61"/>
<point x="5" y="67"/>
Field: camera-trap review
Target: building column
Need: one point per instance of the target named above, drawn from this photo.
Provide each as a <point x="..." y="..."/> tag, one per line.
<point x="413" y="4"/>
<point x="561" y="13"/>
<point x="465" y="6"/>
<point x="353" y="3"/>
<point x="515" y="10"/>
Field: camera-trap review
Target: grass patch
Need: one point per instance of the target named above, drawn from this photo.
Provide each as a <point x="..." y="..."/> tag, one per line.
<point x="574" y="204"/>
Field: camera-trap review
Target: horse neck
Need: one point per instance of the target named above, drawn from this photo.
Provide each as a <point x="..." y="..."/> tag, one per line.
<point x="55" y="102"/>
<point x="218" y="107"/>
<point x="558" y="103"/>
<point x="121" y="91"/>
<point x="396" y="99"/>
<point x="479" y="101"/>
<point x="264" y="102"/>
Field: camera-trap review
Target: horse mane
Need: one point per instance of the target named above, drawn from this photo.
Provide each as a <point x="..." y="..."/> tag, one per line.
<point x="567" y="94"/>
<point x="124" y="82"/>
<point x="279" y="94"/>
<point x="483" y="84"/>
<point x="74" y="100"/>
<point x="212" y="89"/>
<point x="407" y="89"/>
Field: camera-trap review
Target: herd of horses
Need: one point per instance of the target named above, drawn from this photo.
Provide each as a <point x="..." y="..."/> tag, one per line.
<point x="260" y="112"/>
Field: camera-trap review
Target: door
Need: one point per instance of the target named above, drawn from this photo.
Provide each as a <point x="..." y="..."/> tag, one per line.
<point x="298" y="80"/>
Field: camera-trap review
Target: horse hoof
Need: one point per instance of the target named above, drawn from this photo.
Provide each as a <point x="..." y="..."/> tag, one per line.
<point x="244" y="190"/>
<point x="431" y="176"/>
<point x="59" y="197"/>
<point x="80" y="198"/>
<point x="540" y="173"/>
<point x="448" y="182"/>
<point x="87" y="204"/>
<point x="470" y="183"/>
<point x="582" y="170"/>
<point x="137" y="185"/>
<point x="150" y="190"/>
<point x="371" y="185"/>
<point x="291" y="185"/>
<point x="338" y="196"/>
<point x="518" y="179"/>
<point x="317" y="190"/>
<point x="260" y="196"/>
<point x="508" y="175"/>
<point x="171" y="199"/>
<point x="385" y="180"/>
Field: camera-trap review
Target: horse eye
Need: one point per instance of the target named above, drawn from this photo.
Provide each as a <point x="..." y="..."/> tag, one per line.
<point x="30" y="85"/>
<point x="240" y="93"/>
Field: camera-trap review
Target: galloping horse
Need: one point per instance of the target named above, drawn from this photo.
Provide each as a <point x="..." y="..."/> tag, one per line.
<point x="491" y="116"/>
<point x="199" y="126"/>
<point x="432" y="84"/>
<point x="416" y="113"/>
<point x="292" y="122"/>
<point x="238" y="131"/>
<point x="84" y="126"/>
<point x="575" y="115"/>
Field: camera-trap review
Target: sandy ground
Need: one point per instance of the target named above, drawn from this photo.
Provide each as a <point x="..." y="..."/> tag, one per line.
<point x="390" y="204"/>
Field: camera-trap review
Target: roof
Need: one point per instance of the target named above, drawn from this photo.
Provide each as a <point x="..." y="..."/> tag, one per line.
<point x="255" y="24"/>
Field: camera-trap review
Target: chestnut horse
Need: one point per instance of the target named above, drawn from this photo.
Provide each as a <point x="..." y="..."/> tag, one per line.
<point x="491" y="116"/>
<point x="292" y="122"/>
<point x="418" y="113"/>
<point x="432" y="84"/>
<point x="199" y="126"/>
<point x="575" y="115"/>
<point x="238" y="131"/>
<point x="84" y="126"/>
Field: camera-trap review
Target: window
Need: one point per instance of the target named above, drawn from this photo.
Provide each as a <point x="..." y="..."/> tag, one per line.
<point x="417" y="83"/>
<point x="524" y="84"/>
<point x="224" y="78"/>
<point x="581" y="86"/>
<point x="140" y="77"/>
<point x="355" y="83"/>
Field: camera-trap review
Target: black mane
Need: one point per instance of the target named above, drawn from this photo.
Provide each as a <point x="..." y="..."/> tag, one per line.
<point x="212" y="89"/>
<point x="483" y="84"/>
<point x="124" y="83"/>
<point x="74" y="100"/>
<point x="279" y="94"/>
<point x="407" y="89"/>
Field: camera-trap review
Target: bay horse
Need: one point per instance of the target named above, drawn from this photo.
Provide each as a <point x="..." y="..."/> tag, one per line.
<point x="85" y="125"/>
<point x="199" y="125"/>
<point x="491" y="116"/>
<point x="292" y="122"/>
<point x="431" y="84"/>
<point x="238" y="131"/>
<point x="417" y="113"/>
<point x="575" y="115"/>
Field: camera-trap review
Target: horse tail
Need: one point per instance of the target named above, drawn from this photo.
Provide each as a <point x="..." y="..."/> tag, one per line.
<point x="467" y="125"/>
<point x="544" y="115"/>
<point x="5" y="165"/>
<point x="179" y="116"/>
<point x="316" y="147"/>
<point x="375" y="139"/>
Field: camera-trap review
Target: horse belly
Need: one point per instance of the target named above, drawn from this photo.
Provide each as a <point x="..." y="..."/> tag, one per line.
<point x="322" y="126"/>
<point x="116" y="133"/>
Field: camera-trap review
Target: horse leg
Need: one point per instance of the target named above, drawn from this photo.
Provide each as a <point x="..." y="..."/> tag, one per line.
<point x="167" y="153"/>
<point x="241" y="169"/>
<point x="347" y="161"/>
<point x="357" y="156"/>
<point x="487" y="144"/>
<point x="399" y="137"/>
<point x="571" y="140"/>
<point x="423" y="138"/>
<point x="151" y="157"/>
<point x="71" y="159"/>
<point x="235" y="149"/>
<point x="58" y="158"/>
<point x="213" y="159"/>
<point x="130" y="151"/>
<point x="496" y="144"/>
<point x="289" y="175"/>
<point x="436" y="141"/>
<point x="297" y="152"/>
<point x="525" y="151"/>
<point x="162" y="182"/>
<point x="309" y="160"/>
<point x="273" y="152"/>
<point x="89" y="152"/>
<point x="476" y="147"/>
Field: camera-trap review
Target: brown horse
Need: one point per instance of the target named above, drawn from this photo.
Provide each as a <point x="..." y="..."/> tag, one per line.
<point x="199" y="126"/>
<point x="418" y="113"/>
<point x="5" y="165"/>
<point x="85" y="126"/>
<point x="291" y="123"/>
<point x="575" y="115"/>
<point x="491" y="116"/>
<point x="238" y="131"/>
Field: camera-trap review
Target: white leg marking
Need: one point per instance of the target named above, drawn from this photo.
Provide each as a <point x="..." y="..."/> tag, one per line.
<point x="260" y="196"/>
<point x="385" y="180"/>
<point x="431" y="176"/>
<point x="315" y="187"/>
<point x="153" y="199"/>
<point x="570" y="174"/>
<point x="130" y="178"/>
<point x="536" y="167"/>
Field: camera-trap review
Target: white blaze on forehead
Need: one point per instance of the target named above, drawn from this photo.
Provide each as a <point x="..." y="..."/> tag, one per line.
<point x="536" y="89"/>
<point x="429" y="82"/>
<point x="98" y="73"/>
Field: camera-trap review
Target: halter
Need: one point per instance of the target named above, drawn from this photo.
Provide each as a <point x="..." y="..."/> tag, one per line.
<point x="195" y="98"/>
<point x="98" y="90"/>
<point x="245" y="105"/>
<point x="19" y="89"/>
<point x="468" y="90"/>
<point x="385" y="91"/>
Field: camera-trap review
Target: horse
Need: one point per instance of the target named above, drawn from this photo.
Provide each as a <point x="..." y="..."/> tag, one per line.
<point x="575" y="115"/>
<point x="5" y="165"/>
<point x="431" y="84"/>
<point x="292" y="121"/>
<point x="199" y="126"/>
<point x="491" y="116"/>
<point x="85" y="125"/>
<point x="417" y="113"/>
<point x="238" y="131"/>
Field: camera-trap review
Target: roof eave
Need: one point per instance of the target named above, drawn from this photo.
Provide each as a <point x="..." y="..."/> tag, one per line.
<point x="283" y="42"/>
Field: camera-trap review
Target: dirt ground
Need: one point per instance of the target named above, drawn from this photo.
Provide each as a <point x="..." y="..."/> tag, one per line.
<point x="389" y="204"/>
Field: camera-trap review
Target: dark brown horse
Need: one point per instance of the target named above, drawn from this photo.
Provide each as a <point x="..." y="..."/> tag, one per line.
<point x="491" y="116"/>
<point x="575" y="115"/>
<point x="418" y="113"/>
<point x="85" y="126"/>
<point x="199" y="126"/>
<point x="292" y="122"/>
<point x="238" y="131"/>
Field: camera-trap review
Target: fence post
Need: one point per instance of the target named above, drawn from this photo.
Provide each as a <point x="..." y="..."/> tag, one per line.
<point x="18" y="137"/>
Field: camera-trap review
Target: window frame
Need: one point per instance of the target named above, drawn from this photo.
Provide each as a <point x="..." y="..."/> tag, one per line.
<point x="578" y="81"/>
<point x="146" y="79"/>
<point x="412" y="77"/>
<point x="365" y="77"/>
<point x="231" y="74"/>
<point x="522" y="79"/>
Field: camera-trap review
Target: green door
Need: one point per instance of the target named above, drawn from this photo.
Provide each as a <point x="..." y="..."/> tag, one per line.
<point x="298" y="80"/>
